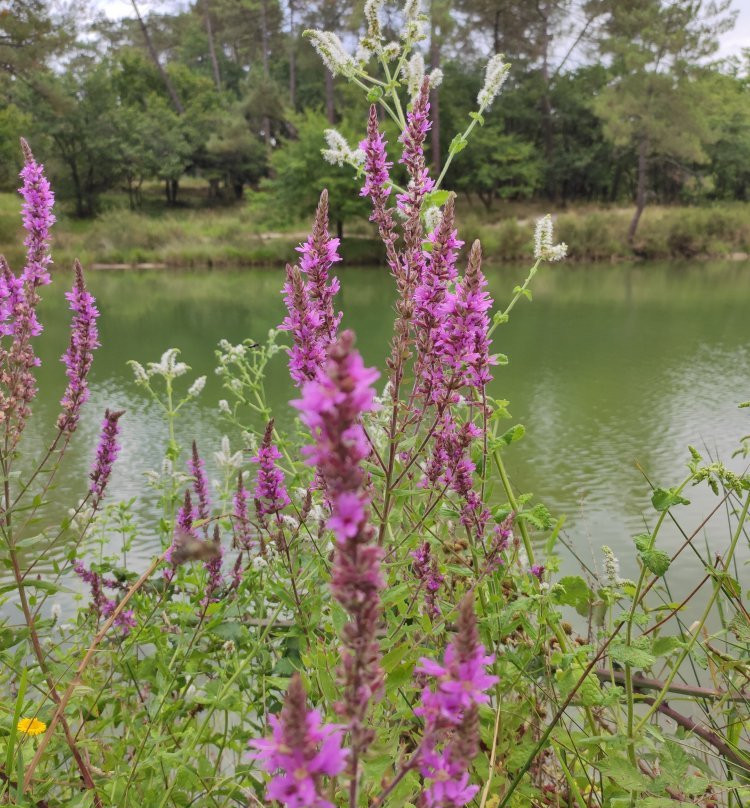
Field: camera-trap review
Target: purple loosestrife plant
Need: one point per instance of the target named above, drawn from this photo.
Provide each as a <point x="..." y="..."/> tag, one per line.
<point x="318" y="254"/>
<point x="308" y="295"/>
<point x="20" y="300"/>
<point x="450" y="713"/>
<point x="106" y="454"/>
<point x="427" y="573"/>
<point x="84" y="339"/>
<point x="101" y="605"/>
<point x="197" y="468"/>
<point x="303" y="323"/>
<point x="271" y="495"/>
<point x="242" y="533"/>
<point x="301" y="751"/>
<point x="332" y="407"/>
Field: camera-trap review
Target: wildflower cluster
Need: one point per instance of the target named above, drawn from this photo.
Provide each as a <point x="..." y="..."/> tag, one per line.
<point x="451" y="713"/>
<point x="300" y="752"/>
<point x="308" y="294"/>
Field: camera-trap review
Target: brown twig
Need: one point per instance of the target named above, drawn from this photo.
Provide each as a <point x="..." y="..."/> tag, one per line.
<point x="63" y="703"/>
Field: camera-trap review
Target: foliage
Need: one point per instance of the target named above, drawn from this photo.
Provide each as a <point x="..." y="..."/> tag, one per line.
<point x="363" y="601"/>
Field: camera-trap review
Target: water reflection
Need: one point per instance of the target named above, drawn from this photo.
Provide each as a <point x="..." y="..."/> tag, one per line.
<point x="608" y="366"/>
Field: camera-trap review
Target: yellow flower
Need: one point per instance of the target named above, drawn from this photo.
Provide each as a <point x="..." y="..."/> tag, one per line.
<point x="31" y="726"/>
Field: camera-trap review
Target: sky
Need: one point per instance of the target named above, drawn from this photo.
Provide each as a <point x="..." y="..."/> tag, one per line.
<point x="731" y="42"/>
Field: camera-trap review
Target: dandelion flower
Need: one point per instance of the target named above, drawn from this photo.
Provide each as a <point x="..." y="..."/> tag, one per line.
<point x="31" y="726"/>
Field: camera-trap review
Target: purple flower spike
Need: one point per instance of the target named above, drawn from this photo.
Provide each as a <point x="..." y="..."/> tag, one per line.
<point x="331" y="407"/>
<point x="101" y="605"/>
<point x="450" y="712"/>
<point x="242" y="535"/>
<point x="426" y="572"/>
<point x="464" y="340"/>
<point x="377" y="181"/>
<point x="537" y="570"/>
<point x="212" y="566"/>
<point x="19" y="298"/>
<point x="312" y="321"/>
<point x="197" y="469"/>
<point x="431" y="299"/>
<point x="12" y="298"/>
<point x="319" y="253"/>
<point x="377" y="187"/>
<point x="413" y="137"/>
<point x="300" y="752"/>
<point x="307" y="353"/>
<point x="270" y="492"/>
<point x="38" y="218"/>
<point x="106" y="454"/>
<point x="84" y="339"/>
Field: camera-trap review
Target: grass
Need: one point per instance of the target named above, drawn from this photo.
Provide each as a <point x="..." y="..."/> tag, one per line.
<point x="236" y="235"/>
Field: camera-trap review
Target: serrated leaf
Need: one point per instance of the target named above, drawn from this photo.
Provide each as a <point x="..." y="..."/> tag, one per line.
<point x="642" y="541"/>
<point x="458" y="144"/>
<point x="625" y="774"/>
<point x="657" y="561"/>
<point x="663" y="646"/>
<point x="513" y="434"/>
<point x="573" y="591"/>
<point x="636" y="654"/>
<point x="664" y="498"/>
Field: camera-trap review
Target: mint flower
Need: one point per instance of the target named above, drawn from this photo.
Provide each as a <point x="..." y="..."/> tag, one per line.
<point x="544" y="249"/>
<point x="495" y="75"/>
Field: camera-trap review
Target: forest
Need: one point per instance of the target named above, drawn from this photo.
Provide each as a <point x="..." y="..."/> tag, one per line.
<point x="606" y="103"/>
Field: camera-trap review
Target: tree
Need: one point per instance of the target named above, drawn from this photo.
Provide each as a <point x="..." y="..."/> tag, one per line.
<point x="234" y="153"/>
<point x="500" y="167"/>
<point x="656" y="103"/>
<point x="299" y="172"/>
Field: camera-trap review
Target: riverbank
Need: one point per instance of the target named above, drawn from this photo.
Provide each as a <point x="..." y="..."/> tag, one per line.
<point x="237" y="236"/>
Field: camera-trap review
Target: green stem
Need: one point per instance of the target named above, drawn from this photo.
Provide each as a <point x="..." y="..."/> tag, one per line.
<point x="704" y="617"/>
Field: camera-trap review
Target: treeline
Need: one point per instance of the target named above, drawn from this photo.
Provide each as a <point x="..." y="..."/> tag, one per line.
<point x="607" y="101"/>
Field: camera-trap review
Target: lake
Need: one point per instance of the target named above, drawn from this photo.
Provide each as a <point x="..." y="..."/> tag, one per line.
<point x="609" y="366"/>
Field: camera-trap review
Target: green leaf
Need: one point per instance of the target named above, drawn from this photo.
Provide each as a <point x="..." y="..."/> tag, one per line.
<point x="625" y="774"/>
<point x="657" y="561"/>
<point x="642" y="541"/>
<point x="374" y="95"/>
<point x="513" y="434"/>
<point x="664" y="498"/>
<point x="437" y="198"/>
<point x="458" y="144"/>
<point x="664" y="646"/>
<point x="637" y="654"/>
<point x="394" y="657"/>
<point x="573" y="591"/>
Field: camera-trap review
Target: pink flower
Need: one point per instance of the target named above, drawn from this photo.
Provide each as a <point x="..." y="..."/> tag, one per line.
<point x="450" y="712"/>
<point x="270" y="492"/>
<point x="300" y="751"/>
<point x="84" y="339"/>
<point x="106" y="454"/>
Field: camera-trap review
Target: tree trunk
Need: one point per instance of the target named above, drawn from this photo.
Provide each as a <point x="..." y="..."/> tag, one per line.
<point x="434" y="96"/>
<point x="266" y="66"/>
<point x="155" y="57"/>
<point x="640" y="194"/>
<point x="211" y="45"/>
<point x="547" y="134"/>
<point x="496" y="33"/>
<point x="330" y="105"/>
<point x="292" y="57"/>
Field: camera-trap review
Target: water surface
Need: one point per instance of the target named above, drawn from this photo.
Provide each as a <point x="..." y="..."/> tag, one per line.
<point x="609" y="366"/>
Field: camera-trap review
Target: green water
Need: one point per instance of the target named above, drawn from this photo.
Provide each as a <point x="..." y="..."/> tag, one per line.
<point x="608" y="366"/>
